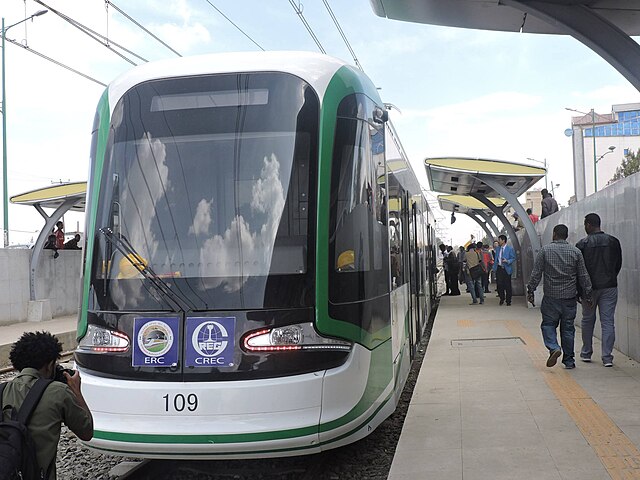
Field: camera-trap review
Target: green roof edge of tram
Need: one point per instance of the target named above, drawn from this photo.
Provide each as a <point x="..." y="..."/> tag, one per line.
<point x="372" y="392"/>
<point x="92" y="203"/>
<point x="492" y="167"/>
<point x="345" y="81"/>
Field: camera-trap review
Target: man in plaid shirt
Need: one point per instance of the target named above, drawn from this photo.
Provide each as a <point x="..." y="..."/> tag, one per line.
<point x="563" y="267"/>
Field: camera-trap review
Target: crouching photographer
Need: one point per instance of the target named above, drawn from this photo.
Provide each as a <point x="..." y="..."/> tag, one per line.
<point x="35" y="356"/>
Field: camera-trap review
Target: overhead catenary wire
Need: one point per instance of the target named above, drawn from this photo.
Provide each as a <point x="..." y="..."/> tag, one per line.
<point x="138" y="24"/>
<point x="232" y="23"/>
<point x="60" y="64"/>
<point x="298" y="10"/>
<point x="344" y="37"/>
<point x="103" y="40"/>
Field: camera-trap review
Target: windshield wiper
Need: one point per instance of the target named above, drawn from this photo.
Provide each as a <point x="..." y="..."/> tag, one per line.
<point x="126" y="249"/>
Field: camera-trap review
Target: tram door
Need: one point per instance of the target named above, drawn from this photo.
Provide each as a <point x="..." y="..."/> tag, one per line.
<point x="410" y="238"/>
<point x="414" y="327"/>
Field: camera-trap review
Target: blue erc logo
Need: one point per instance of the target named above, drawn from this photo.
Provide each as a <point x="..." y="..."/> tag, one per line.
<point x="155" y="344"/>
<point x="212" y="343"/>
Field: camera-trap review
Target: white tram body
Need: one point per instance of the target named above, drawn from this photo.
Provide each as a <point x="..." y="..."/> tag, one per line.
<point x="259" y="263"/>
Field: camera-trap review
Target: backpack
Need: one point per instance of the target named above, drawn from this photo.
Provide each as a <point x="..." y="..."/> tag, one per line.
<point x="17" y="450"/>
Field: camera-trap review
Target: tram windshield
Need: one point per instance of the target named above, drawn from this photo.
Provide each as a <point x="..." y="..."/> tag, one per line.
<point x="210" y="180"/>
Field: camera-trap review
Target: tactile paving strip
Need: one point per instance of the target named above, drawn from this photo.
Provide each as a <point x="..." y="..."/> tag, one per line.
<point x="617" y="453"/>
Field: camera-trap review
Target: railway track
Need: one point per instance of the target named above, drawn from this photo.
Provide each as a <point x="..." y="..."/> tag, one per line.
<point x="299" y="468"/>
<point x="63" y="356"/>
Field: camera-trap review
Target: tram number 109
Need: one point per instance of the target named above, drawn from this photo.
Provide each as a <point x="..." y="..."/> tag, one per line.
<point x="180" y="402"/>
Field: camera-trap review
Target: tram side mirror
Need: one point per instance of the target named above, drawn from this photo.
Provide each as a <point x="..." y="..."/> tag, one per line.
<point x="380" y="115"/>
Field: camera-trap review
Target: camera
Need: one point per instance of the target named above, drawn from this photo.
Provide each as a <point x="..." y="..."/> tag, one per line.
<point x="59" y="374"/>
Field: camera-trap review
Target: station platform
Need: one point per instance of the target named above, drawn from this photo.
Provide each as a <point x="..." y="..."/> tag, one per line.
<point x="62" y="327"/>
<point x="485" y="405"/>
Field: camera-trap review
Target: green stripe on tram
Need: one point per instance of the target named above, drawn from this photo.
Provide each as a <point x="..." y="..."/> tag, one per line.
<point x="374" y="388"/>
<point x="93" y="190"/>
<point x="254" y="452"/>
<point x="345" y="81"/>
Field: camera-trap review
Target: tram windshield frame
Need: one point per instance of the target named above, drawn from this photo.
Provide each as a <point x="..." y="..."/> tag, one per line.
<point x="211" y="179"/>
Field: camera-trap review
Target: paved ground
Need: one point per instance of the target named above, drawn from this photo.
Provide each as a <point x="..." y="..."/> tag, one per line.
<point x="63" y="327"/>
<point x="486" y="406"/>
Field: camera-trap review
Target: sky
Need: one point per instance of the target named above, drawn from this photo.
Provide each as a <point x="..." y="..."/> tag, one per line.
<point x="458" y="92"/>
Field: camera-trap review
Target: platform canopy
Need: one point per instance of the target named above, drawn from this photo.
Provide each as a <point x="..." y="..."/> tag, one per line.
<point x="61" y="198"/>
<point x="503" y="15"/>
<point x="464" y="176"/>
<point x="605" y="26"/>
<point x="54" y="196"/>
<point x="466" y="204"/>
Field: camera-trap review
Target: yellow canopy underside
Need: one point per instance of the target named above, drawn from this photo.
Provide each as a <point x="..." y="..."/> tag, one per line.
<point x="55" y="192"/>
<point x="470" y="202"/>
<point x="484" y="166"/>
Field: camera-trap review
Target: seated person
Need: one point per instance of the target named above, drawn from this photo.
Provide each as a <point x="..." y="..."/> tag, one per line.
<point x="73" y="243"/>
<point x="50" y="243"/>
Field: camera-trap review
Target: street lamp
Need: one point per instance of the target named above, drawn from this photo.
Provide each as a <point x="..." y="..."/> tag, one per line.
<point x="593" y="134"/>
<point x="545" y="169"/>
<point x="4" y="126"/>
<point x="611" y="149"/>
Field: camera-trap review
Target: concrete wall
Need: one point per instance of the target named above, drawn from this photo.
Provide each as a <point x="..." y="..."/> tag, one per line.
<point x="57" y="280"/>
<point x="619" y="208"/>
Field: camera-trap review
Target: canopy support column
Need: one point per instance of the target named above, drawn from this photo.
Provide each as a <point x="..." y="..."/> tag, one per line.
<point x="480" y="221"/>
<point x="487" y="218"/>
<point x="50" y="222"/>
<point x="522" y="214"/>
<point x="518" y="287"/>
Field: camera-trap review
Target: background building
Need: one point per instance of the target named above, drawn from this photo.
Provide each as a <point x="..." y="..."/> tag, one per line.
<point x="616" y="134"/>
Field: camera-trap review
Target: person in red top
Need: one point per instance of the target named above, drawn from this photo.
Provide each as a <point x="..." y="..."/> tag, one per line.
<point x="534" y="218"/>
<point x="59" y="233"/>
<point x="488" y="261"/>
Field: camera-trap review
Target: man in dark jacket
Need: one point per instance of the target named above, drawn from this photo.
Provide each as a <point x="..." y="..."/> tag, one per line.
<point x="549" y="204"/>
<point x="603" y="257"/>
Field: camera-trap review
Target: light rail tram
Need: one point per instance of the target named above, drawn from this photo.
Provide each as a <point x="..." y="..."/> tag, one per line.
<point x="259" y="263"/>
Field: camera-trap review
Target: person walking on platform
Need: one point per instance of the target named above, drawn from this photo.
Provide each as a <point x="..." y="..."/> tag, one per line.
<point x="452" y="267"/>
<point x="445" y="267"/>
<point x="503" y="266"/>
<point x="564" y="269"/>
<point x="473" y="274"/>
<point x="487" y="258"/>
<point x="549" y="204"/>
<point x="603" y="257"/>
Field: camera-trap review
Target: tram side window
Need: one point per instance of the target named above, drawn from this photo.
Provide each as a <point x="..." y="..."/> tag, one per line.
<point x="396" y="228"/>
<point x="357" y="228"/>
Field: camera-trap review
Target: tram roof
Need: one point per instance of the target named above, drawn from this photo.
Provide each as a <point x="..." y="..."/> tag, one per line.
<point x="463" y="176"/>
<point x="494" y="15"/>
<point x="54" y="196"/>
<point x="314" y="68"/>
<point x="465" y="203"/>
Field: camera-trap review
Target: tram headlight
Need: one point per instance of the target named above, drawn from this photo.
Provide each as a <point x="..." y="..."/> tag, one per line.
<point x="300" y="336"/>
<point x="100" y="339"/>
